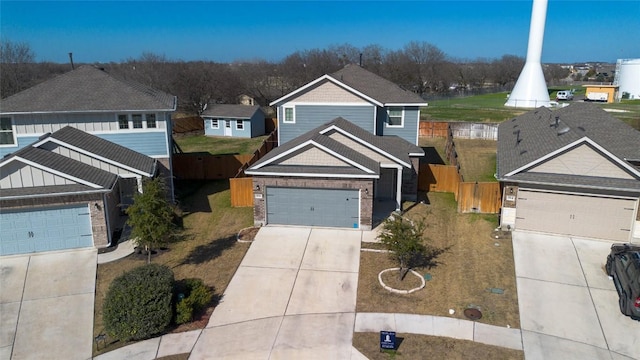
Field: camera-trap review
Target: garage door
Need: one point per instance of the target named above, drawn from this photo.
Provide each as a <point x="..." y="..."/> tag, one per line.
<point x="586" y="216"/>
<point x="45" y="229"/>
<point x="313" y="207"/>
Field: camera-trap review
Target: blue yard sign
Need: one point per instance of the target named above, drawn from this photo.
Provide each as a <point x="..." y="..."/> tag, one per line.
<point x="388" y="340"/>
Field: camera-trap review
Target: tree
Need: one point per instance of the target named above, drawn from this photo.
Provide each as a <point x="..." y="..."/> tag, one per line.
<point x="16" y="60"/>
<point x="404" y="239"/>
<point x="150" y="216"/>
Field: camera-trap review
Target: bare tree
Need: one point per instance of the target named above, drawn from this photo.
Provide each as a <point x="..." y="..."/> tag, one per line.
<point x="16" y="60"/>
<point x="554" y="72"/>
<point x="507" y="69"/>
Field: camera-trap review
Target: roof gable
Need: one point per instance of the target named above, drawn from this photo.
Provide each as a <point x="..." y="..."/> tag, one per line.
<point x="18" y="174"/>
<point x="87" y="89"/>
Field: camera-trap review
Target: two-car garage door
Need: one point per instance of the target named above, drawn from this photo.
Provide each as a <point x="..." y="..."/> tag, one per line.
<point x="578" y="215"/>
<point x="313" y="207"/>
<point x="45" y="229"/>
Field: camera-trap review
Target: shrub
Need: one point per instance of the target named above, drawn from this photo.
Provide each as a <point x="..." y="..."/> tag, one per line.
<point x="138" y="303"/>
<point x="196" y="297"/>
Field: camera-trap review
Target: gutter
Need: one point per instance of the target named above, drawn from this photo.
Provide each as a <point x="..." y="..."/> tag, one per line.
<point x="591" y="187"/>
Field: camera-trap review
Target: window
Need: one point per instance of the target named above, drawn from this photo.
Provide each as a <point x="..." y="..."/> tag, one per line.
<point x="289" y="116"/>
<point x="123" y="122"/>
<point x="395" y="117"/>
<point x="151" y="121"/>
<point x="215" y="124"/>
<point x="239" y="125"/>
<point x="137" y="121"/>
<point x="6" y="131"/>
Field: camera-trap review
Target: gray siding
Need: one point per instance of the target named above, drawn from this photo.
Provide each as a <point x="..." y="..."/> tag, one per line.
<point x="257" y="124"/>
<point x="409" y="130"/>
<point x="308" y="117"/>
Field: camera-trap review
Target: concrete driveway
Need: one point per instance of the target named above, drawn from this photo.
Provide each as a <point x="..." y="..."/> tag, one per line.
<point x="46" y="305"/>
<point x="568" y="304"/>
<point x="293" y="297"/>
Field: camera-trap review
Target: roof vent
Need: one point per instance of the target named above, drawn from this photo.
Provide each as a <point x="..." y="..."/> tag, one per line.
<point x="564" y="130"/>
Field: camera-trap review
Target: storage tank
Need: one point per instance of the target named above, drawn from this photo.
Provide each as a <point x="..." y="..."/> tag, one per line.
<point x="628" y="78"/>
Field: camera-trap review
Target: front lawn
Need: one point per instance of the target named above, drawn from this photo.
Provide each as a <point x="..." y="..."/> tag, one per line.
<point x="219" y="145"/>
<point x="208" y="251"/>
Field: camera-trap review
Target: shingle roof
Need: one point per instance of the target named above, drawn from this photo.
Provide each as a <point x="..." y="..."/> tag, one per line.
<point x="231" y="110"/>
<point x="533" y="135"/>
<point x="105" y="149"/>
<point x="392" y="145"/>
<point x="375" y="86"/>
<point x="47" y="190"/>
<point x="87" y="89"/>
<point x="65" y="165"/>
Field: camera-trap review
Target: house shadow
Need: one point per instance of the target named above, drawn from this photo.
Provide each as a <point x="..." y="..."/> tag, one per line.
<point x="193" y="195"/>
<point x="431" y="156"/>
<point x="203" y="253"/>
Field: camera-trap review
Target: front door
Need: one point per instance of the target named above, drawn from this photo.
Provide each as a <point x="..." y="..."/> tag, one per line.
<point x="227" y="127"/>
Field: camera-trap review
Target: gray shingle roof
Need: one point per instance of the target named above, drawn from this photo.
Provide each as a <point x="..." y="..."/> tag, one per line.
<point x="47" y="190"/>
<point x="106" y="149"/>
<point x="231" y="111"/>
<point x="375" y="86"/>
<point x="393" y="145"/>
<point x="533" y="135"/>
<point x="87" y="89"/>
<point x="68" y="166"/>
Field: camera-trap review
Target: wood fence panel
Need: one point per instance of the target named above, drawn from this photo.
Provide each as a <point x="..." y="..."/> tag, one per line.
<point x="479" y="197"/>
<point x="438" y="178"/>
<point x="207" y="166"/>
<point x="433" y="129"/>
<point x="241" y="191"/>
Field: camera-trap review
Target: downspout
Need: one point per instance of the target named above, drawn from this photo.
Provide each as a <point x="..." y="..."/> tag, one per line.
<point x="399" y="190"/>
<point x="106" y="216"/>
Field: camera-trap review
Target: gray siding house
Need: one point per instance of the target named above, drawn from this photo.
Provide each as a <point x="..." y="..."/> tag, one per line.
<point x="90" y="99"/>
<point x="245" y="121"/>
<point x="347" y="153"/>
<point x="67" y="190"/>
<point x="574" y="171"/>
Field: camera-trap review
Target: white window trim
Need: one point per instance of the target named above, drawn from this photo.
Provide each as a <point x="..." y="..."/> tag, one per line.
<point x="217" y="122"/>
<point x="130" y="121"/>
<point x="284" y="114"/>
<point x="401" y="119"/>
<point x="239" y="124"/>
<point x="13" y="133"/>
<point x="146" y="124"/>
<point x="129" y="126"/>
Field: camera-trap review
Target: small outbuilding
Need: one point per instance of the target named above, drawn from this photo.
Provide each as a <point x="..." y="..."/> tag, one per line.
<point x="245" y="121"/>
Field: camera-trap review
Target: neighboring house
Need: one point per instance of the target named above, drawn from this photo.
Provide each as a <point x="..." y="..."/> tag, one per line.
<point x="89" y="99"/>
<point x="355" y="94"/>
<point x="245" y="99"/>
<point x="244" y="121"/>
<point x="572" y="171"/>
<point x="67" y="190"/>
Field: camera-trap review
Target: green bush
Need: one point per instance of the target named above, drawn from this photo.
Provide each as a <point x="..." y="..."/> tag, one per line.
<point x="138" y="303"/>
<point x="196" y="297"/>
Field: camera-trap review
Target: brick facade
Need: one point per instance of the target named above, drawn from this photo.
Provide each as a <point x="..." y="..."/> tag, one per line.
<point x="365" y="186"/>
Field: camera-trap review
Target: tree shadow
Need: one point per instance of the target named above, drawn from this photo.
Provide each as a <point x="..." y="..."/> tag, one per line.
<point x="204" y="253"/>
<point x="429" y="259"/>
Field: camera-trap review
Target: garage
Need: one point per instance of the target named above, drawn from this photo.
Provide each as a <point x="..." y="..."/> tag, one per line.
<point x="313" y="207"/>
<point x="45" y="229"/>
<point x="573" y="214"/>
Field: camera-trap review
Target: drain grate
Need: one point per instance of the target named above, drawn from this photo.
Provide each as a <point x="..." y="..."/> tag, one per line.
<point x="473" y="314"/>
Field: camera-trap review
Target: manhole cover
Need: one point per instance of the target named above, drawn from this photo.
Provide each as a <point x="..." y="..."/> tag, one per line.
<point x="473" y="314"/>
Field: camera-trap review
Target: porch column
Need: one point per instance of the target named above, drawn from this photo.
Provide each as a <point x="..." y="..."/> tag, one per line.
<point x="139" y="182"/>
<point x="399" y="190"/>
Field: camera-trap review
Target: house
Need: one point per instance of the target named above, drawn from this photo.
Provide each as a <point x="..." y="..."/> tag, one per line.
<point x="90" y="99"/>
<point x="353" y="93"/>
<point x="67" y="190"/>
<point x="245" y="99"/>
<point x="573" y="171"/>
<point x="347" y="153"/>
<point x="244" y="121"/>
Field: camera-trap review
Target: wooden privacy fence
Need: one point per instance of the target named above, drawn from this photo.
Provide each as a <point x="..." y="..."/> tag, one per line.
<point x="195" y="166"/>
<point x="241" y="191"/>
<point x="459" y="130"/>
<point x="476" y="197"/>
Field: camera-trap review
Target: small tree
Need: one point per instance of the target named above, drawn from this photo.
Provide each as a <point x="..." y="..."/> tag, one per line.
<point x="151" y="216"/>
<point x="404" y="239"/>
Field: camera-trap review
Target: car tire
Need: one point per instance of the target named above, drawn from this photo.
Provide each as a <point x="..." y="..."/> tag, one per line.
<point x="608" y="267"/>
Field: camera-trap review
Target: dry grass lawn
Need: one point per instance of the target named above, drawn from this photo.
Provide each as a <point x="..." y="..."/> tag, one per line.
<point x="477" y="159"/>
<point x="413" y="346"/>
<point x="208" y="251"/>
<point x="472" y="263"/>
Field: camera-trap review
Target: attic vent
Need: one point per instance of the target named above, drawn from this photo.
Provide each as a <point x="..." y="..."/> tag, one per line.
<point x="581" y="128"/>
<point x="517" y="134"/>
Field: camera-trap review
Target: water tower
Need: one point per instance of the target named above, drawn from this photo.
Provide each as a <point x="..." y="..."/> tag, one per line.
<point x="530" y="90"/>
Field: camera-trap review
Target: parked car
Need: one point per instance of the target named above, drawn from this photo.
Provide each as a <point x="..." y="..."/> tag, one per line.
<point x="564" y="95"/>
<point x="623" y="266"/>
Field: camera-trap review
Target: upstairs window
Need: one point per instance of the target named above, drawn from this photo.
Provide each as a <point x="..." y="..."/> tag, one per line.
<point x="151" y="121"/>
<point x="6" y="131"/>
<point x="215" y="124"/>
<point x="289" y="115"/>
<point x="395" y="116"/>
<point x="123" y="122"/>
<point x="239" y="125"/>
<point x="136" y="119"/>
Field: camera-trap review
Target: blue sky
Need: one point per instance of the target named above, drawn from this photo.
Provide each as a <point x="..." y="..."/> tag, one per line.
<point x="97" y="31"/>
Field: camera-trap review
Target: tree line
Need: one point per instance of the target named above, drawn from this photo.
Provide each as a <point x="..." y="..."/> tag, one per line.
<point x="418" y="66"/>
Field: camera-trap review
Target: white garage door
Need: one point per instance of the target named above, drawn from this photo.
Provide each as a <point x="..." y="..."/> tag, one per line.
<point x="578" y="215"/>
<point x="45" y="229"/>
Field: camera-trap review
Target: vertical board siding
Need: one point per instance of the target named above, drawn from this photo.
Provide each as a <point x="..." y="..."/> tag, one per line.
<point x="309" y="117"/>
<point x="241" y="191"/>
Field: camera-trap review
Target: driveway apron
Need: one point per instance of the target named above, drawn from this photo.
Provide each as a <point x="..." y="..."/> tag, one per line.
<point x="568" y="305"/>
<point x="46" y="305"/>
<point x="293" y="297"/>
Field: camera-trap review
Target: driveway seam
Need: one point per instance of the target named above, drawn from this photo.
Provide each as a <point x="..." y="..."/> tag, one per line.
<point x="551" y="281"/>
<point x="24" y="285"/>
<point x="564" y="339"/>
<point x="595" y="308"/>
